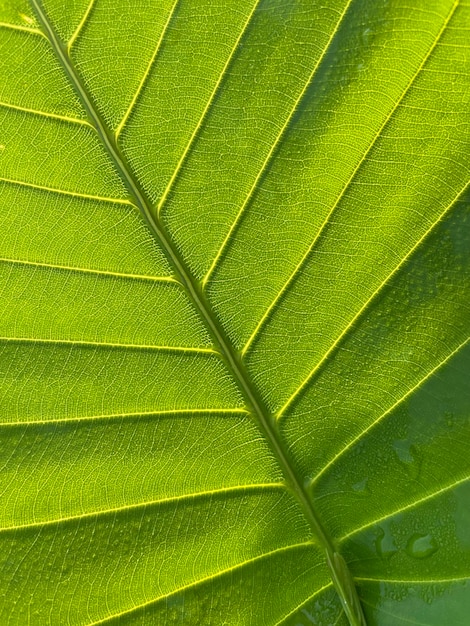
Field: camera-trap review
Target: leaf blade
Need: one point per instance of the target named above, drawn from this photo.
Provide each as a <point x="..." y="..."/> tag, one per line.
<point x="191" y="511"/>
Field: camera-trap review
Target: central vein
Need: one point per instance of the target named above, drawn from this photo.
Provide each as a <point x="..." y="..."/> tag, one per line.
<point x="340" y="574"/>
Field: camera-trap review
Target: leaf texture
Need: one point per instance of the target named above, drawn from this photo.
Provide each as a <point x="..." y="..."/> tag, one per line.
<point x="234" y="339"/>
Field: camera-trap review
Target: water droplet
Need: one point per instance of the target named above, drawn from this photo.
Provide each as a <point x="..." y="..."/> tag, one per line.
<point x="409" y="457"/>
<point x="361" y="487"/>
<point x="366" y="34"/>
<point x="449" y="417"/>
<point x="384" y="544"/>
<point x="421" y="546"/>
<point x="27" y="19"/>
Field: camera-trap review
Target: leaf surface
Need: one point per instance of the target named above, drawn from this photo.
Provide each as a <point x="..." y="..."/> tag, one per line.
<point x="234" y="356"/>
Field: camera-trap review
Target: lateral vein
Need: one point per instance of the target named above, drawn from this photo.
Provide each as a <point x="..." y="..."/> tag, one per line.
<point x="412" y="505"/>
<point x="87" y="270"/>
<point x="80" y="26"/>
<point x="304" y="603"/>
<point x="201" y="581"/>
<point x="110" y="416"/>
<point x="104" y="344"/>
<point x="410" y="392"/>
<point x="148" y="69"/>
<point x="64" y="192"/>
<point x="25" y="29"/>
<point x="140" y="505"/>
<point x="53" y="116"/>
<point x="395" y="581"/>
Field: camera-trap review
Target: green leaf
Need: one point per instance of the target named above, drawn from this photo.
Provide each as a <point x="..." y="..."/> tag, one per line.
<point x="235" y="268"/>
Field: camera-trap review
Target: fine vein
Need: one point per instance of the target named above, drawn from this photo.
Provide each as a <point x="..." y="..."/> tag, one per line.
<point x="340" y="574"/>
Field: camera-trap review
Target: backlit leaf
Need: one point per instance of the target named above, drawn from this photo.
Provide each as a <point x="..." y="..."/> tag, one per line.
<point x="235" y="270"/>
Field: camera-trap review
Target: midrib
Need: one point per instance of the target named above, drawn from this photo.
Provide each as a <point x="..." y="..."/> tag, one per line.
<point x="340" y="574"/>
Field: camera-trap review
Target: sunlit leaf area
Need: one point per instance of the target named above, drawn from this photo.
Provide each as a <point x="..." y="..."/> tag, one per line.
<point x="235" y="318"/>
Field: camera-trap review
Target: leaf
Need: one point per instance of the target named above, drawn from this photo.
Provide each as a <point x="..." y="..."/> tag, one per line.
<point x="234" y="339"/>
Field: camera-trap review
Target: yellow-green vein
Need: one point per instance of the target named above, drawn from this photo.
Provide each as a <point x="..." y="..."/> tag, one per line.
<point x="87" y="270"/>
<point x="412" y="505"/>
<point x="148" y="69"/>
<point x="80" y="26"/>
<point x="241" y="489"/>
